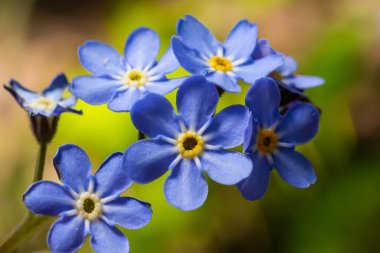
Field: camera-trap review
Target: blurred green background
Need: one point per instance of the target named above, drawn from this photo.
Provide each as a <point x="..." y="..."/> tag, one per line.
<point x="336" y="39"/>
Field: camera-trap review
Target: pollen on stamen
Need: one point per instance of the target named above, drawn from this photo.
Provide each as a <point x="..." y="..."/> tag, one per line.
<point x="267" y="141"/>
<point x="44" y="104"/>
<point x="220" y="64"/>
<point x="135" y="78"/>
<point x="89" y="206"/>
<point x="190" y="144"/>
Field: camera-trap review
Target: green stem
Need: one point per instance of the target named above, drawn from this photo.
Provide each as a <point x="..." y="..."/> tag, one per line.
<point x="31" y="222"/>
<point x="26" y="228"/>
<point x="40" y="163"/>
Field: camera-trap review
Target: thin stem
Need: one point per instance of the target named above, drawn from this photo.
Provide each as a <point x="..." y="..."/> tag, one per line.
<point x="40" y="163"/>
<point x="26" y="228"/>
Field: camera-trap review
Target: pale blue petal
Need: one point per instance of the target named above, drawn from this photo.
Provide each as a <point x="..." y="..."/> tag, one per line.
<point x="124" y="100"/>
<point x="225" y="166"/>
<point x="56" y="87"/>
<point x="294" y="168"/>
<point x="186" y="187"/>
<point x="106" y="238"/>
<point x="128" y="212"/>
<point x="167" y="64"/>
<point x="48" y="198"/>
<point x="73" y="167"/>
<point x="164" y="86"/>
<point x="289" y="67"/>
<point x="223" y="80"/>
<point x="306" y="82"/>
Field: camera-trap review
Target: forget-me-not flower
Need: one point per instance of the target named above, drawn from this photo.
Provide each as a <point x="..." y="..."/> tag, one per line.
<point x="199" y="52"/>
<point x="286" y="72"/>
<point x="271" y="137"/>
<point x="188" y="144"/>
<point x="87" y="204"/>
<point x="49" y="102"/>
<point x="121" y="81"/>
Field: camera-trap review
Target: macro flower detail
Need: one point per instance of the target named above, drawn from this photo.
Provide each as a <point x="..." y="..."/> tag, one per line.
<point x="88" y="205"/>
<point x="188" y="144"/>
<point x="48" y="103"/>
<point x="121" y="81"/>
<point x="285" y="73"/>
<point x="271" y="138"/>
<point x="199" y="52"/>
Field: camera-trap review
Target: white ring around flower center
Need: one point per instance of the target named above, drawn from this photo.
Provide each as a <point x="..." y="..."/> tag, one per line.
<point x="135" y="78"/>
<point x="44" y="104"/>
<point x="89" y="206"/>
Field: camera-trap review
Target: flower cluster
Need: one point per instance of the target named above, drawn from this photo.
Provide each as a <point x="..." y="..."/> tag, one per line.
<point x="194" y="142"/>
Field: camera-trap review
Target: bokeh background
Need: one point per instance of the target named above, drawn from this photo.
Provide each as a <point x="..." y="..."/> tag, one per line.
<point x="336" y="39"/>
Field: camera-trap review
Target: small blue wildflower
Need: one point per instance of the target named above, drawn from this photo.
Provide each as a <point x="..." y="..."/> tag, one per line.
<point x="188" y="144"/>
<point x="88" y="205"/>
<point x="270" y="139"/>
<point x="199" y="52"/>
<point x="48" y="103"/>
<point x="121" y="81"/>
<point x="286" y="72"/>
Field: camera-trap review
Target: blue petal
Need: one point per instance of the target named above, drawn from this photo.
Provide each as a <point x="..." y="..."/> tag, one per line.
<point x="256" y="185"/>
<point x="128" y="212"/>
<point x="101" y="59"/>
<point x="186" y="187"/>
<point x="73" y="167"/>
<point x="141" y="48"/>
<point x="67" y="234"/>
<point x="48" y="198"/>
<point x="196" y="36"/>
<point x="147" y="160"/>
<point x="263" y="99"/>
<point x="305" y="82"/>
<point x="110" y="178"/>
<point x="225" y="81"/>
<point x="258" y="68"/>
<point x="190" y="59"/>
<point x="106" y="238"/>
<point x="124" y="100"/>
<point x="164" y="86"/>
<point x="196" y="101"/>
<point x="294" y="168"/>
<point x="262" y="49"/>
<point x="241" y="41"/>
<point x="56" y="88"/>
<point x="299" y="124"/>
<point x="94" y="90"/>
<point x="68" y="102"/>
<point x="225" y="166"/>
<point x="154" y="115"/>
<point x="167" y="64"/>
<point x="250" y="135"/>
<point x="228" y="126"/>
<point x="20" y="93"/>
<point x="290" y="65"/>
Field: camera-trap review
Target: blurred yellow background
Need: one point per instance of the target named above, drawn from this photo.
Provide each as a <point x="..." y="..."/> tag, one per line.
<point x="336" y="39"/>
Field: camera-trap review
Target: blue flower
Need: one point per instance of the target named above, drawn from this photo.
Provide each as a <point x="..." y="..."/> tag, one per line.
<point x="271" y="138"/>
<point x="87" y="204"/>
<point x="121" y="81"/>
<point x="48" y="103"/>
<point x="199" y="52"/>
<point x="188" y="144"/>
<point x="286" y="72"/>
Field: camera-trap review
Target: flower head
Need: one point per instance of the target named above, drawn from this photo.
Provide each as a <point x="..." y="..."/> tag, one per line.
<point x="121" y="81"/>
<point x="199" y="52"/>
<point x="88" y="205"/>
<point x="188" y="144"/>
<point x="285" y="73"/>
<point x="271" y="138"/>
<point x="48" y="103"/>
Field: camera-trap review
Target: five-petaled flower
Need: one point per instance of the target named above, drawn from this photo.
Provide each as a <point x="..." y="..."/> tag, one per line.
<point x="87" y="204"/>
<point x="199" y="52"/>
<point x="271" y="138"/>
<point x="121" y="81"/>
<point x="285" y="73"/>
<point x="48" y="103"/>
<point x="188" y="143"/>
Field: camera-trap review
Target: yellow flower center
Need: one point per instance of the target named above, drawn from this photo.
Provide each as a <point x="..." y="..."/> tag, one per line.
<point x="135" y="78"/>
<point x="220" y="63"/>
<point x="44" y="104"/>
<point x="190" y="144"/>
<point x="277" y="75"/>
<point x="266" y="141"/>
<point x="88" y="206"/>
